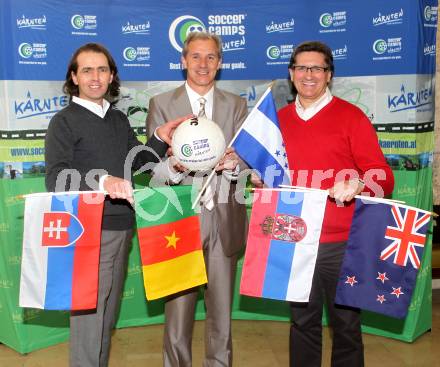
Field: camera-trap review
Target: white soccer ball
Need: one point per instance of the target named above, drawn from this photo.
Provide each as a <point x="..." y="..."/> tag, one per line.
<point x="198" y="144"/>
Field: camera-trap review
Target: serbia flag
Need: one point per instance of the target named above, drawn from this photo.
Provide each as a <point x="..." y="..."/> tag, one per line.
<point x="61" y="246"/>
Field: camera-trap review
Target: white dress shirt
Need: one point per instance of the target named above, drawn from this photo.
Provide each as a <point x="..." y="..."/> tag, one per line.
<point x="315" y="107"/>
<point x="92" y="106"/>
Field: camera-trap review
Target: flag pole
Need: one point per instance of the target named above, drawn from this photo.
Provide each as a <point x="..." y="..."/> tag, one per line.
<point x="356" y="196"/>
<point x="211" y="175"/>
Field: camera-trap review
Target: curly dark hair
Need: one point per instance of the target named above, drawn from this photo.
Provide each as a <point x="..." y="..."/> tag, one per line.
<point x="69" y="86"/>
<point x="315" y="46"/>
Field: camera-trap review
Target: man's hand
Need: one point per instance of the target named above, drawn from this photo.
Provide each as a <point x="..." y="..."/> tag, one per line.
<point x="256" y="180"/>
<point x="175" y="165"/>
<point x="229" y="161"/>
<point x="344" y="191"/>
<point x="166" y="131"/>
<point x="118" y="188"/>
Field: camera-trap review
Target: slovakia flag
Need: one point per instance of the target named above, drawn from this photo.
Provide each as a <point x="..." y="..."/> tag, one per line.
<point x="282" y="244"/>
<point x="61" y="246"/>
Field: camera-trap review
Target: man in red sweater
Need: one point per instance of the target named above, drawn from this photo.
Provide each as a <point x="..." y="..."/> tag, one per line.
<point x="331" y="145"/>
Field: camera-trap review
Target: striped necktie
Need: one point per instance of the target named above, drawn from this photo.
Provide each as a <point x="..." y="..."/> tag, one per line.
<point x="202" y="112"/>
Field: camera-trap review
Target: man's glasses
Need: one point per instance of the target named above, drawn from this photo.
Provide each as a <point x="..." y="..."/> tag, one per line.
<point x="314" y="69"/>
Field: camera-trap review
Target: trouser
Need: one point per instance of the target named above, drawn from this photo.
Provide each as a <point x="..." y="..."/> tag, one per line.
<point x="90" y="331"/>
<point x="180" y="308"/>
<point x="306" y="326"/>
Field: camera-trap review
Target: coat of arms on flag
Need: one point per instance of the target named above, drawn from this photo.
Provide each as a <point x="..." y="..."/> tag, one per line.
<point x="61" y="246"/>
<point x="383" y="255"/>
<point x="282" y="244"/>
<point x="169" y="241"/>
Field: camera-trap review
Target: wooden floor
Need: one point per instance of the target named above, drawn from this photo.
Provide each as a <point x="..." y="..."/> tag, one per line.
<point x="256" y="344"/>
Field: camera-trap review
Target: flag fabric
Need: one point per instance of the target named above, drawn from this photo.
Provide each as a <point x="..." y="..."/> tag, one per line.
<point x="61" y="246"/>
<point x="169" y="241"/>
<point x="260" y="143"/>
<point x="382" y="258"/>
<point x="282" y="244"/>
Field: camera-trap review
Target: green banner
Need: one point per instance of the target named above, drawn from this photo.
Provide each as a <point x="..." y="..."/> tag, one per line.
<point x="27" y="329"/>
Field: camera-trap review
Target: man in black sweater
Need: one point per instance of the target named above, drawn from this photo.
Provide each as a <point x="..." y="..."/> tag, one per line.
<point x="90" y="145"/>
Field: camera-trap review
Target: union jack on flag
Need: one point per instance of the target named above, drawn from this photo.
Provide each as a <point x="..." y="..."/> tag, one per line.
<point x="406" y="236"/>
<point x="376" y="274"/>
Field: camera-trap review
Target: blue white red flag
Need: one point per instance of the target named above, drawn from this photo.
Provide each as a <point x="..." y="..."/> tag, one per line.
<point x="260" y="143"/>
<point x="383" y="255"/>
<point x="61" y="245"/>
<point x="282" y="244"/>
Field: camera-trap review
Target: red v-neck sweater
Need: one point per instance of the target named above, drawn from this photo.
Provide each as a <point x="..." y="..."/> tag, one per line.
<point x="336" y="144"/>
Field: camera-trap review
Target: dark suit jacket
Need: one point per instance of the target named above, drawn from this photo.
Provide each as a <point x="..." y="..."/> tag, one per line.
<point x="229" y="112"/>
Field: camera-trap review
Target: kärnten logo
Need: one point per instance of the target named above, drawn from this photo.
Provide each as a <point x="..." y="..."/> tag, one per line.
<point x="140" y="28"/>
<point x="280" y="27"/>
<point x="46" y="106"/>
<point x="388" y="19"/>
<point x="409" y="100"/>
<point x="32" y="23"/>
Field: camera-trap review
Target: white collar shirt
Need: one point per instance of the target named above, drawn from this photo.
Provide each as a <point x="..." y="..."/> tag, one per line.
<point x="92" y="106"/>
<point x="195" y="103"/>
<point x="315" y="107"/>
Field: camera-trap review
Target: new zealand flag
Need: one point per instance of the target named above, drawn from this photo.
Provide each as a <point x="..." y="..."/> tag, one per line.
<point x="383" y="255"/>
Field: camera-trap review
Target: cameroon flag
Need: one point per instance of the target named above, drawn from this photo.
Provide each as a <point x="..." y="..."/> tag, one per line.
<point x="169" y="240"/>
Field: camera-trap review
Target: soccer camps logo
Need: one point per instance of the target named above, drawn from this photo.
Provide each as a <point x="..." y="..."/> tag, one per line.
<point x="380" y="46"/>
<point x="181" y="27"/>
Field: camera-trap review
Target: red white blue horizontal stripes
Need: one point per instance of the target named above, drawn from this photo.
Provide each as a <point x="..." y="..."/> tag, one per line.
<point x="280" y="269"/>
<point x="61" y="245"/>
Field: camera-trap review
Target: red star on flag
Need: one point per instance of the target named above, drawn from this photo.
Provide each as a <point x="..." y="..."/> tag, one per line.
<point x="381" y="298"/>
<point x="382" y="277"/>
<point x="351" y="280"/>
<point x="397" y="292"/>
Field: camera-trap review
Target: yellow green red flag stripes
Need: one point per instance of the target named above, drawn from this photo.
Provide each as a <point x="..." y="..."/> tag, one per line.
<point x="169" y="240"/>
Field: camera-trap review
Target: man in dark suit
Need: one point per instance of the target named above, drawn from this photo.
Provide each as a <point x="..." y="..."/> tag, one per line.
<point x="223" y="219"/>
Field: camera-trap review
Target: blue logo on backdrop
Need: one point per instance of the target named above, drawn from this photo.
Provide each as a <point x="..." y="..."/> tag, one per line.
<point x="430" y="15"/>
<point x="140" y="28"/>
<point x="280" y="27"/>
<point x="84" y="25"/>
<point x="181" y="27"/>
<point x="410" y="100"/>
<point x="39" y="106"/>
<point x="230" y="27"/>
<point x="340" y="53"/>
<point x="389" y="18"/>
<point x="32" y="53"/>
<point x="32" y="23"/>
<point x="137" y="56"/>
<point x="333" y="22"/>
<point x="388" y="49"/>
<point x="224" y="25"/>
<point x="279" y="55"/>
